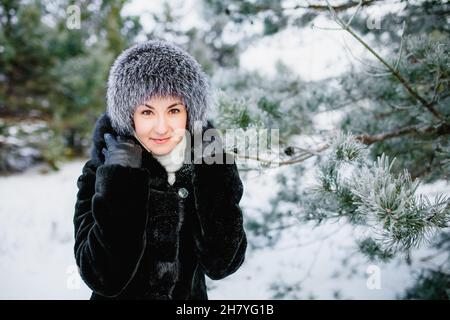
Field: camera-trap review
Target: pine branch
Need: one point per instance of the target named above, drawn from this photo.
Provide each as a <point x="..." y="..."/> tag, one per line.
<point x="392" y="70"/>
<point x="349" y="186"/>
<point x="442" y="129"/>
<point x="313" y="7"/>
<point x="302" y="157"/>
<point x="337" y="8"/>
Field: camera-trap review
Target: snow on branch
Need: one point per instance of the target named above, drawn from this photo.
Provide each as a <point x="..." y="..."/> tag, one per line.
<point x="369" y="193"/>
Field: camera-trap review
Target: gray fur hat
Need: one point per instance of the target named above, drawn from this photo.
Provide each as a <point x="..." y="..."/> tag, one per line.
<point x="155" y="68"/>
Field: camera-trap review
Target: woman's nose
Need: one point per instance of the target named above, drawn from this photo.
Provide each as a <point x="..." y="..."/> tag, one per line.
<point x="161" y="126"/>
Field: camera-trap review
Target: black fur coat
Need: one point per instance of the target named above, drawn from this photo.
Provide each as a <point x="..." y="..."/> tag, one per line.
<point x="138" y="237"/>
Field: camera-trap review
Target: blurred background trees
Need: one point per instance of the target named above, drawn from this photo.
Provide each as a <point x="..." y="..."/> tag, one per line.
<point x="52" y="78"/>
<point x="392" y="101"/>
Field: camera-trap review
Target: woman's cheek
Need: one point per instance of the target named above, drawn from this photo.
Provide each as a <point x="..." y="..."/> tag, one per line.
<point x="145" y="126"/>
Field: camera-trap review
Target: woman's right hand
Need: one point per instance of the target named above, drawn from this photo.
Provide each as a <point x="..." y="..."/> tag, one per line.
<point x="122" y="151"/>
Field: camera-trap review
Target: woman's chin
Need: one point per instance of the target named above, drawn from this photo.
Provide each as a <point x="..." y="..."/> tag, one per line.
<point x="160" y="150"/>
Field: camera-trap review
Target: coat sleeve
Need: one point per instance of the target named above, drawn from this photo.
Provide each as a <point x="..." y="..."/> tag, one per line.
<point x="110" y="220"/>
<point x="221" y="241"/>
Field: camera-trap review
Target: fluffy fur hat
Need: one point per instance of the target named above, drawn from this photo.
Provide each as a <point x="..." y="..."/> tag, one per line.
<point x="155" y="68"/>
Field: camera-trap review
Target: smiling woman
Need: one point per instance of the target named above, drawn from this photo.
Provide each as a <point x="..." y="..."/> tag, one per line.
<point x="147" y="226"/>
<point x="160" y="124"/>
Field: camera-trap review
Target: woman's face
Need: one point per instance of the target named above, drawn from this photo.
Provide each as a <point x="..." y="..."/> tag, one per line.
<point x="160" y="123"/>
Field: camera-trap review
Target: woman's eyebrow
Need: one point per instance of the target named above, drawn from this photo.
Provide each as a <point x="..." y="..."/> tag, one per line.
<point x="172" y="105"/>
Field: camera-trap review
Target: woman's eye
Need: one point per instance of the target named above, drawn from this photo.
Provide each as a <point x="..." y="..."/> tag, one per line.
<point x="175" y="110"/>
<point x="146" y="112"/>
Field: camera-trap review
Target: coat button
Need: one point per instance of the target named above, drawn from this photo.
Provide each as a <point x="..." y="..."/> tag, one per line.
<point x="183" y="193"/>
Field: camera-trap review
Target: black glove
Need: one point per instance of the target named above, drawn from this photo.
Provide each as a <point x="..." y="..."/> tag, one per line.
<point x="122" y="151"/>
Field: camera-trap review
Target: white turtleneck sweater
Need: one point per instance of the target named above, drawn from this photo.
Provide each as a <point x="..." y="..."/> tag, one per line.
<point x="172" y="161"/>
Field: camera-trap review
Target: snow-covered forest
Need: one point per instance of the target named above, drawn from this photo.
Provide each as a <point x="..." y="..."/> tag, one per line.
<point x="354" y="204"/>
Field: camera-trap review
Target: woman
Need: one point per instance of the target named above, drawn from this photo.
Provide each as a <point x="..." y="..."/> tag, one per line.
<point x="151" y="220"/>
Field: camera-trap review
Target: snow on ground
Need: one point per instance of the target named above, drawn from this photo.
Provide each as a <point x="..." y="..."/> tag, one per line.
<point x="36" y="235"/>
<point x="37" y="261"/>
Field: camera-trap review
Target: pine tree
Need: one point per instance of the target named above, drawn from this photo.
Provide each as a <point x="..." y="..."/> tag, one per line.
<point x="394" y="131"/>
<point x="53" y="77"/>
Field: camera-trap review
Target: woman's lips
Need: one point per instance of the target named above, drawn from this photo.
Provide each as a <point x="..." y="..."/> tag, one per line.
<point x="160" y="141"/>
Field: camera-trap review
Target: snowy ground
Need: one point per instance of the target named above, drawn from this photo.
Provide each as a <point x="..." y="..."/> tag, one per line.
<point x="37" y="262"/>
